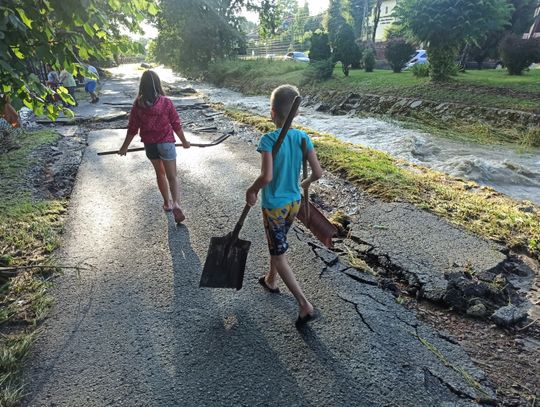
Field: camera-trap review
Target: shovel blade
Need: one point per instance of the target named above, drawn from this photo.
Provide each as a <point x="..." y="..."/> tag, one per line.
<point x="225" y="263"/>
<point x="321" y="227"/>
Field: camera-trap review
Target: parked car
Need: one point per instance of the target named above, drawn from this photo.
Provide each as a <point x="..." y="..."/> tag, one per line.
<point x="419" y="57"/>
<point x="296" y="56"/>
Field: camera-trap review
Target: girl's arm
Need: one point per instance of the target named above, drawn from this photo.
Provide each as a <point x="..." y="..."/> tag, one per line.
<point x="176" y="124"/>
<point x="316" y="170"/>
<point x="133" y="129"/>
<point x="182" y="137"/>
<point x="125" y="145"/>
<point x="263" y="179"/>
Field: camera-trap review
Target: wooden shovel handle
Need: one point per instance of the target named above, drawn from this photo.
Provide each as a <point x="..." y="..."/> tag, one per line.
<point x="288" y="121"/>
<point x="240" y="222"/>
<point x="304" y="176"/>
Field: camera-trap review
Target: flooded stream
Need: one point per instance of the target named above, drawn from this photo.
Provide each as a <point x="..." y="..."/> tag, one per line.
<point x="501" y="167"/>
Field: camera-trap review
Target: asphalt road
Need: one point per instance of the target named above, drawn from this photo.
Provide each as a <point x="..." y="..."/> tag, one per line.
<point x="136" y="330"/>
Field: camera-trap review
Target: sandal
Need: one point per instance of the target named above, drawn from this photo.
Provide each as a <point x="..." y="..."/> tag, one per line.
<point x="262" y="282"/>
<point x="301" y="321"/>
<point x="178" y="215"/>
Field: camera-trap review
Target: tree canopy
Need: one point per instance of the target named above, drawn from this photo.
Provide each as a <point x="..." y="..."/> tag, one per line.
<point x="59" y="32"/>
<point x="444" y="25"/>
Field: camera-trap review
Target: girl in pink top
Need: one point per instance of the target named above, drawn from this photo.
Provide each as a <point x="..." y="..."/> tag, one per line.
<point x="154" y="117"/>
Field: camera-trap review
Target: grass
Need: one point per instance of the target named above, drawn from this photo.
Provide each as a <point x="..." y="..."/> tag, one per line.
<point x="480" y="210"/>
<point x="490" y="88"/>
<point x="29" y="230"/>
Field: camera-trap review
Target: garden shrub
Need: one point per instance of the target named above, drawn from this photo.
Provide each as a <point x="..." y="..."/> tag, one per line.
<point x="398" y="52"/>
<point x="318" y="71"/>
<point x="420" y="70"/>
<point x="518" y="53"/>
<point x="369" y="60"/>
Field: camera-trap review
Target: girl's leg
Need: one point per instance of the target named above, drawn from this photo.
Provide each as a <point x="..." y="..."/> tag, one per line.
<point x="170" y="171"/>
<point x="163" y="183"/>
<point x="281" y="265"/>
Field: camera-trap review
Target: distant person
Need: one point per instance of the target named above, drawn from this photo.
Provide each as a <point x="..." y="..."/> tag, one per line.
<point x="154" y="116"/>
<point x="67" y="81"/>
<point x="9" y="117"/>
<point x="281" y="197"/>
<point x="90" y="84"/>
<point x="53" y="79"/>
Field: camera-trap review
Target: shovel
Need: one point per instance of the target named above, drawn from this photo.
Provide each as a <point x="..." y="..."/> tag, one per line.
<point x="217" y="141"/>
<point x="226" y="259"/>
<point x="310" y="216"/>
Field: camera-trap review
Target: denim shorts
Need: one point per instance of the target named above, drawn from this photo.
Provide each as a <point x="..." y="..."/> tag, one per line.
<point x="160" y="151"/>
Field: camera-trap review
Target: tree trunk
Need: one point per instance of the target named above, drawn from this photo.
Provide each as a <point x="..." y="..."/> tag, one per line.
<point x="376" y="18"/>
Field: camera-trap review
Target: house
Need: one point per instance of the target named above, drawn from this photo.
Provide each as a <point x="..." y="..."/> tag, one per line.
<point x="534" y="32"/>
<point x="385" y="19"/>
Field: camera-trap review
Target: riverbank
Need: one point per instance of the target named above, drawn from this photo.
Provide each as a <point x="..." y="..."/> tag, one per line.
<point x="481" y="106"/>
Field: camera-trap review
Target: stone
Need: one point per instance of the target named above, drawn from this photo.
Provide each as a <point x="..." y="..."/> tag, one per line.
<point x="509" y="315"/>
<point x="188" y="90"/>
<point x="526" y="209"/>
<point x="478" y="310"/>
<point x="415" y="104"/>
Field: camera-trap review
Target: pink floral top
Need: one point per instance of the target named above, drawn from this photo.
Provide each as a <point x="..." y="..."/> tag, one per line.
<point x="156" y="123"/>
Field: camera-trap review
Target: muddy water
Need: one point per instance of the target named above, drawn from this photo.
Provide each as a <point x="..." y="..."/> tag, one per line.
<point x="506" y="170"/>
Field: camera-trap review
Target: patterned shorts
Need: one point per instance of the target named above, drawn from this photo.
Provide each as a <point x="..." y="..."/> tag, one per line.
<point x="277" y="223"/>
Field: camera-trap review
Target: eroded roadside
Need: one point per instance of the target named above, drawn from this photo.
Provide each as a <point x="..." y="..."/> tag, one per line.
<point x="483" y="294"/>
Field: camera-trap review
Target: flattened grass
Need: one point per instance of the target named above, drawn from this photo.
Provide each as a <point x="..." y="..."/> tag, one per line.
<point x="480" y="210"/>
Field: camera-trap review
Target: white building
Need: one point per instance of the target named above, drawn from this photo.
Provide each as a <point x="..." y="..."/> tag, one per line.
<point x="385" y="20"/>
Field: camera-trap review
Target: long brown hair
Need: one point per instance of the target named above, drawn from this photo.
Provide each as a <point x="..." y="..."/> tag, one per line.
<point x="149" y="89"/>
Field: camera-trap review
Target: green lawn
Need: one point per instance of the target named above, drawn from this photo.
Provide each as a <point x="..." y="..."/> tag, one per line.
<point x="490" y="88"/>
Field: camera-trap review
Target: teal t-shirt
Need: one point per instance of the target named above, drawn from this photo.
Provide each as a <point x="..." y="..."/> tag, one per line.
<point x="285" y="186"/>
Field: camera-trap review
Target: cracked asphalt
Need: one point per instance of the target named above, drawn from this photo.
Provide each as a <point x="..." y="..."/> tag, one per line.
<point x="136" y="330"/>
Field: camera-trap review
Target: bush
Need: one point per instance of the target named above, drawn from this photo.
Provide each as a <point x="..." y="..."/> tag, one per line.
<point x="420" y="70"/>
<point x="369" y="60"/>
<point x="318" y="71"/>
<point x="320" y="47"/>
<point x="517" y="53"/>
<point x="398" y="52"/>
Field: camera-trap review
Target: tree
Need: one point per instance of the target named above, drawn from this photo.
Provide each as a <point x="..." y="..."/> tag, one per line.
<point x="523" y="15"/>
<point x="193" y="33"/>
<point x="520" y="23"/>
<point x="320" y="47"/>
<point x="376" y="18"/>
<point x="269" y="18"/>
<point x="59" y="32"/>
<point x="334" y="20"/>
<point x="444" y="25"/>
<point x="346" y="49"/>
<point x="359" y="10"/>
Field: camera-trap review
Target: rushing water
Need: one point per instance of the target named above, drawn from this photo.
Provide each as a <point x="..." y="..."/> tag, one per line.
<point x="503" y="168"/>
